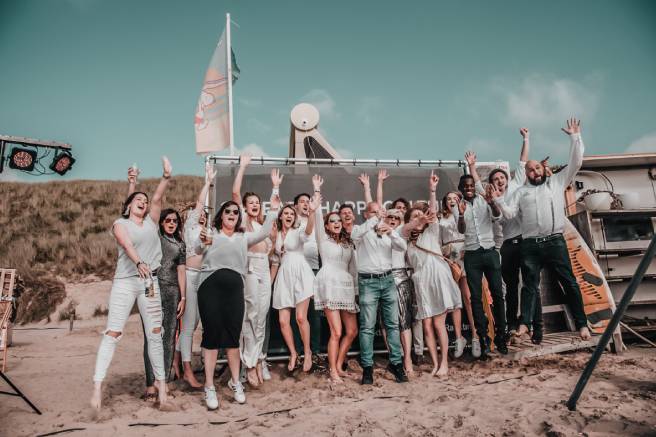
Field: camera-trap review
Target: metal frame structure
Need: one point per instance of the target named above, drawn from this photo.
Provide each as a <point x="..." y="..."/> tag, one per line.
<point x="329" y="161"/>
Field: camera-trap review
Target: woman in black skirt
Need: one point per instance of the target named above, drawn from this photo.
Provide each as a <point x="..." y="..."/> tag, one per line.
<point x="221" y="292"/>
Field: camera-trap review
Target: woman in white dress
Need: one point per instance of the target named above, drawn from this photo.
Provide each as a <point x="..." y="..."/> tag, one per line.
<point x="436" y="292"/>
<point x="335" y="286"/>
<point x="294" y="285"/>
<point x="257" y="291"/>
<point x="453" y="247"/>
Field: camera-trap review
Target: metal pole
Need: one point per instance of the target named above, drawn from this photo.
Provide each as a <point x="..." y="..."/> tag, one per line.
<point x="353" y="162"/>
<point x="18" y="393"/>
<point x="229" y="55"/>
<point x="612" y="325"/>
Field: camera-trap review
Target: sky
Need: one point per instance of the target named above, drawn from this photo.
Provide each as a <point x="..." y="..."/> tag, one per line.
<point x="120" y="79"/>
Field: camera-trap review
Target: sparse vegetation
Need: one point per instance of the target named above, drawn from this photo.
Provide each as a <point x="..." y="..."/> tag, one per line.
<point x="60" y="231"/>
<point x="100" y="311"/>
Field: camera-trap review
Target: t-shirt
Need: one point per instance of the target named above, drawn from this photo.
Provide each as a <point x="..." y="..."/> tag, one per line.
<point x="145" y="239"/>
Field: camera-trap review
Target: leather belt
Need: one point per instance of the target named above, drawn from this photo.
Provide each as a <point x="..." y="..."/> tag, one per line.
<point x="514" y="240"/>
<point x="374" y="275"/>
<point x="543" y="239"/>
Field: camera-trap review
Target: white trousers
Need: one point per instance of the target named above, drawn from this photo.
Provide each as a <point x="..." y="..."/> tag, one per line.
<point x="190" y="317"/>
<point x="257" y="296"/>
<point x="121" y="299"/>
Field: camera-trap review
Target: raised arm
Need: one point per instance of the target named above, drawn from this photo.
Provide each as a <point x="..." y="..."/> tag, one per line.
<point x="156" y="202"/>
<point x="470" y="158"/>
<point x="364" y="180"/>
<point x="491" y="193"/>
<point x="320" y="232"/>
<point x="432" y="186"/>
<point x="210" y="173"/>
<point x="382" y="175"/>
<point x="523" y="154"/>
<point x="460" y="217"/>
<point x="133" y="175"/>
<point x="244" y="160"/>
<point x="315" y="204"/>
<point x="566" y="176"/>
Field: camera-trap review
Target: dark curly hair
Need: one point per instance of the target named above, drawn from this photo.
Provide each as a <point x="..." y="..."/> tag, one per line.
<point x="343" y="238"/>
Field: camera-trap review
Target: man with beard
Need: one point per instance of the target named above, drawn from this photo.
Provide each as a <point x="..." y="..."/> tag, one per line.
<point x="476" y="215"/>
<point x="540" y="205"/>
<point x="511" y="234"/>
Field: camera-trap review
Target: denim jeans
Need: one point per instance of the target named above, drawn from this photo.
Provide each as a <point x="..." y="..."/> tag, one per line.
<point x="372" y="291"/>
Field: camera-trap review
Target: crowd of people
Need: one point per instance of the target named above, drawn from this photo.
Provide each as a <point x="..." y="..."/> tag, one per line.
<point x="406" y="268"/>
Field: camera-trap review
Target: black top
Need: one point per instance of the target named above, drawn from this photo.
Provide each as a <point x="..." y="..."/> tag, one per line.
<point x="173" y="255"/>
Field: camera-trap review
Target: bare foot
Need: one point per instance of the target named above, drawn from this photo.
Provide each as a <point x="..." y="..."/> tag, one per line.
<point x="176" y="365"/>
<point x="434" y="371"/>
<point x="162" y="392"/>
<point x="191" y="380"/>
<point x="251" y="377"/>
<point x="335" y="378"/>
<point x="168" y="406"/>
<point x="585" y="333"/>
<point x="293" y="357"/>
<point x="96" y="397"/>
<point x="410" y="372"/>
<point x="341" y="373"/>
<point x="443" y="372"/>
<point x="307" y="362"/>
<point x="523" y="330"/>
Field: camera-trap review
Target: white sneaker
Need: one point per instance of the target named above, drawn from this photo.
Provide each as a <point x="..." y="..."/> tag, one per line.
<point x="460" y="347"/>
<point x="211" y="400"/>
<point x="237" y="391"/>
<point x="476" y="348"/>
<point x="265" y="371"/>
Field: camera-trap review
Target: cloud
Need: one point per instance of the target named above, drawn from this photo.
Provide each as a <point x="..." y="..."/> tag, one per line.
<point x="646" y="143"/>
<point x="253" y="149"/>
<point x="540" y="101"/>
<point x="323" y="101"/>
<point x="367" y="109"/>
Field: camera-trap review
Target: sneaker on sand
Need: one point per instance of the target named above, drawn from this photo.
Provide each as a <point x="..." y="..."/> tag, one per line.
<point x="460" y="344"/>
<point x="266" y="375"/>
<point x="476" y="348"/>
<point x="211" y="400"/>
<point x="237" y="391"/>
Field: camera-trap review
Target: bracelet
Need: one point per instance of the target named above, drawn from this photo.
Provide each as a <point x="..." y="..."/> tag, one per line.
<point x="317" y="191"/>
<point x="275" y="191"/>
<point x="183" y="298"/>
<point x="166" y="177"/>
<point x="139" y="262"/>
<point x="432" y="191"/>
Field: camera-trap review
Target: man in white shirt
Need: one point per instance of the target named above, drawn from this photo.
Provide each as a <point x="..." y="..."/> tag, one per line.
<point x="508" y="233"/>
<point x="475" y="220"/>
<point x="311" y="252"/>
<point x="374" y="241"/>
<point x="540" y="205"/>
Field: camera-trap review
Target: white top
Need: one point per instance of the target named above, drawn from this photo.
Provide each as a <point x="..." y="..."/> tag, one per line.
<point x="310" y="248"/>
<point x="191" y="232"/>
<point x="374" y="253"/>
<point x="479" y="230"/>
<point x="429" y="239"/>
<point x="449" y="229"/>
<point x="512" y="228"/>
<point x="541" y="209"/>
<point x="332" y="252"/>
<point x="231" y="252"/>
<point x="145" y="239"/>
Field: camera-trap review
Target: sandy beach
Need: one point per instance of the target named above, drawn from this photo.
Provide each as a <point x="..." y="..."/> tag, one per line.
<point x="54" y="367"/>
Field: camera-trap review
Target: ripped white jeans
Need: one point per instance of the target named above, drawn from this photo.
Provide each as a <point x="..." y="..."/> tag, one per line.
<point x="121" y="299"/>
<point x="190" y="317"/>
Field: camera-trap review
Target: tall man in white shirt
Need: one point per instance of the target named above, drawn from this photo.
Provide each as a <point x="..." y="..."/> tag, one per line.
<point x="311" y="252"/>
<point x="475" y="220"/>
<point x="510" y="231"/>
<point x="374" y="240"/>
<point x="540" y="205"/>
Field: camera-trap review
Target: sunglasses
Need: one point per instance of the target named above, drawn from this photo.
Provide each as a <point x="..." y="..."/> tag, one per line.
<point x="393" y="217"/>
<point x="171" y="220"/>
<point x="231" y="211"/>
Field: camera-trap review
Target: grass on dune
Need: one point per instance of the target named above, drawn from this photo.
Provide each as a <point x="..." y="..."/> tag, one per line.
<point x="60" y="231"/>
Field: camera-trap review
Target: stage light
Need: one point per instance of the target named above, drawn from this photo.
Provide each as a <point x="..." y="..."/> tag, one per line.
<point x="22" y="159"/>
<point x="62" y="162"/>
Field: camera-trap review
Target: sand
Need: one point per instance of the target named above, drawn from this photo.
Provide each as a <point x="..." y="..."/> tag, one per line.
<point x="54" y="367"/>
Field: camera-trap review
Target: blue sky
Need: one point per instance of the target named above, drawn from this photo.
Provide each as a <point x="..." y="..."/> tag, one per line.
<point x="119" y="79"/>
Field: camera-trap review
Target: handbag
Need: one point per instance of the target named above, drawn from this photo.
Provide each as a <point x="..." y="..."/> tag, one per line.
<point x="456" y="270"/>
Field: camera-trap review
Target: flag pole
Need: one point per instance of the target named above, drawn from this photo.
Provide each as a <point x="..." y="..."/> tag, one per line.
<point x="229" y="56"/>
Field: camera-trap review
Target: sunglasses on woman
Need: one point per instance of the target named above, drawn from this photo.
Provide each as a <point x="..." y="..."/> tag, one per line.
<point x="171" y="220"/>
<point x="231" y="211"/>
<point x="335" y="220"/>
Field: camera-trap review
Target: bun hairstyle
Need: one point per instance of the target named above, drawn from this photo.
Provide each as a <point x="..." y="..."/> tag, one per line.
<point x="218" y="222"/>
<point x="125" y="212"/>
<point x="343" y="238"/>
<point x="279" y="220"/>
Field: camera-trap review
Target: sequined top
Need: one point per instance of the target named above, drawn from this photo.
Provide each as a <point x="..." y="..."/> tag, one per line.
<point x="173" y="255"/>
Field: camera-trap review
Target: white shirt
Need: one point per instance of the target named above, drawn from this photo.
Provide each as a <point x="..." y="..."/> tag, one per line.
<point x="479" y="220"/>
<point x="512" y="227"/>
<point x="191" y="232"/>
<point x="145" y="240"/>
<point x="541" y="209"/>
<point x="374" y="253"/>
<point x="310" y="248"/>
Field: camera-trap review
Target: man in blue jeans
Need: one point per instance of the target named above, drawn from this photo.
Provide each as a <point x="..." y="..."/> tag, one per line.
<point x="374" y="241"/>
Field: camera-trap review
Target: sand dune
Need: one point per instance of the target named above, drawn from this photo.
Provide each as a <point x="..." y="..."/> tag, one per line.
<point x="54" y="367"/>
